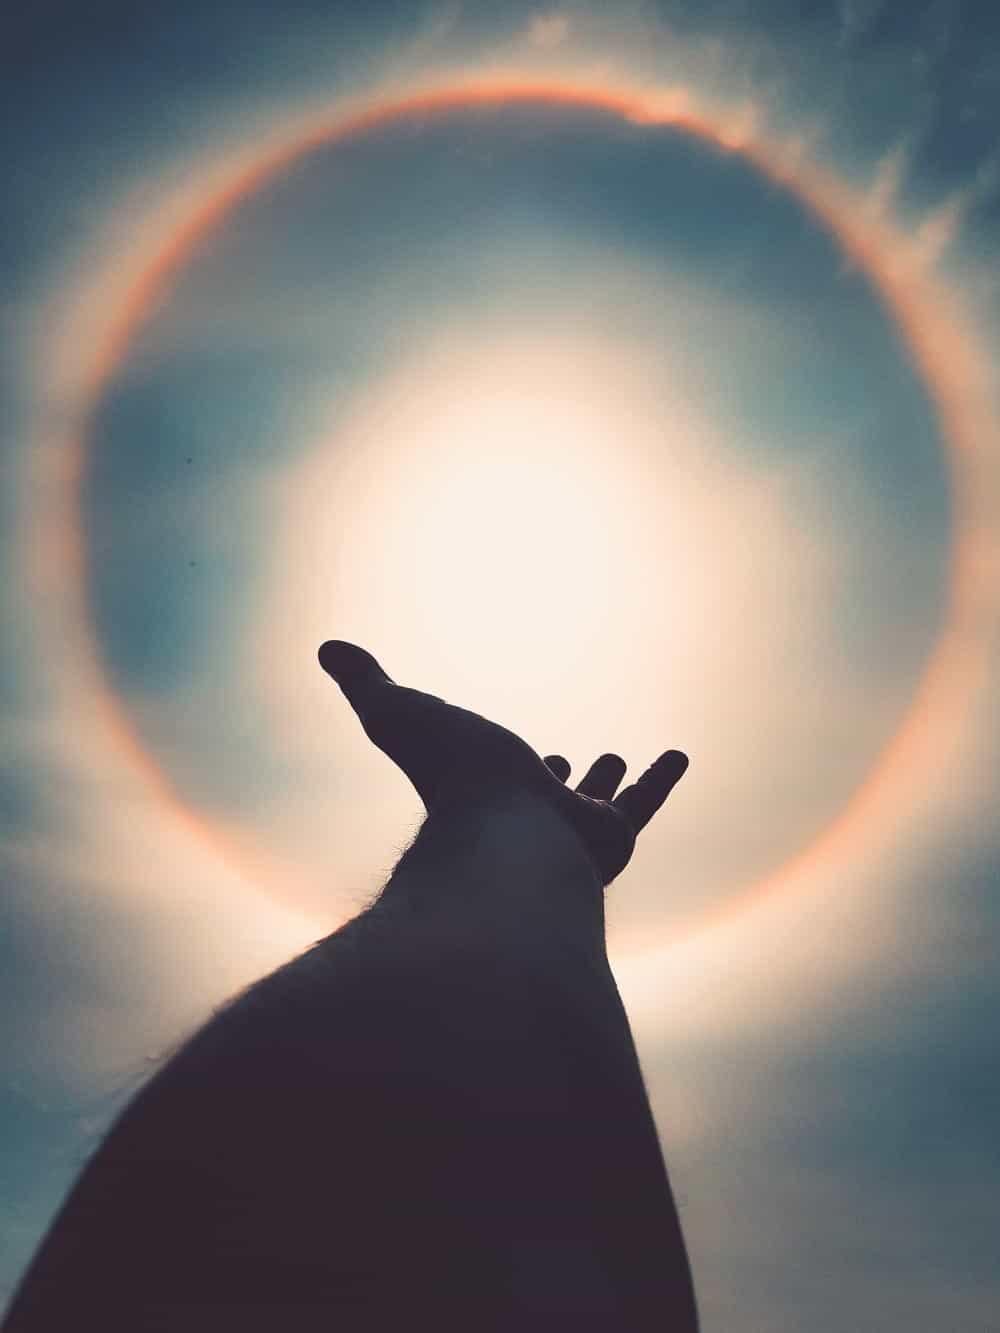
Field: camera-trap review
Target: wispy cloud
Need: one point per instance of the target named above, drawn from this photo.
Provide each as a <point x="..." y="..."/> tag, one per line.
<point x="858" y="17"/>
<point x="549" y="30"/>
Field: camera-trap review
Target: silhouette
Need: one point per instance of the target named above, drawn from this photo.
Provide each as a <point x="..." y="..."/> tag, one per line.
<point x="434" y="1118"/>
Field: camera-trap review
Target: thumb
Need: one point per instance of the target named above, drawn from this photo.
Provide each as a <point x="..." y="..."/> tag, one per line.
<point x="355" y="671"/>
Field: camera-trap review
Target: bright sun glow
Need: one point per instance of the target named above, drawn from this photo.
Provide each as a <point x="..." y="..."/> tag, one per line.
<point x="549" y="533"/>
<point x="497" y="521"/>
<point x="716" y="635"/>
<point x="513" y="507"/>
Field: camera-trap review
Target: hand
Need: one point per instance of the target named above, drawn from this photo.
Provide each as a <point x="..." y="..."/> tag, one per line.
<point x="456" y="758"/>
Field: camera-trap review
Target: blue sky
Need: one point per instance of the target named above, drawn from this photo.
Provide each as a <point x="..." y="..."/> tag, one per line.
<point x="549" y="340"/>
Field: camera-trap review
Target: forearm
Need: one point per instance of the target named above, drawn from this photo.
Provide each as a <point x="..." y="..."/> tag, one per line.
<point x="530" y="1015"/>
<point x="445" y="1090"/>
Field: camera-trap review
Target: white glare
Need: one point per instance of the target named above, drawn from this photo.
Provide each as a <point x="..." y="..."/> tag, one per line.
<point x="547" y="533"/>
<point x="493" y="525"/>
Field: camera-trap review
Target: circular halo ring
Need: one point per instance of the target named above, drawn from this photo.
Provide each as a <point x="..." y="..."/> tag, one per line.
<point x="925" y="316"/>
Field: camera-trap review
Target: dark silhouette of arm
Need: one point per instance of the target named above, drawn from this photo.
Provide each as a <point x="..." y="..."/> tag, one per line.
<point x="435" y="1117"/>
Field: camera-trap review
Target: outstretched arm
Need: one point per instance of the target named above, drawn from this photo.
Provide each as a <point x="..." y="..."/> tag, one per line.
<point x="434" y="1115"/>
<point x="507" y="879"/>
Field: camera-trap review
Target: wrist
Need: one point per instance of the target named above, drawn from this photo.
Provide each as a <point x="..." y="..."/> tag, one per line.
<point x="511" y="864"/>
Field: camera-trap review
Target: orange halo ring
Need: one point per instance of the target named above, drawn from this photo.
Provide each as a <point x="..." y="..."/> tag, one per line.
<point x="929" y="325"/>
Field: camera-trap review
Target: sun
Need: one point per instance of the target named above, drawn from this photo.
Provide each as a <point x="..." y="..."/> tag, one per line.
<point x="495" y="518"/>
<point x="929" y="322"/>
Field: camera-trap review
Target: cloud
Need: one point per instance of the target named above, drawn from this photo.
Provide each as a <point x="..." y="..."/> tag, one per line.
<point x="829" y="1246"/>
<point x="857" y="18"/>
<point x="120" y="926"/>
<point x="883" y="193"/>
<point x="844" y="1148"/>
<point x="937" y="232"/>
<point x="549" y="30"/>
<point x="101" y="982"/>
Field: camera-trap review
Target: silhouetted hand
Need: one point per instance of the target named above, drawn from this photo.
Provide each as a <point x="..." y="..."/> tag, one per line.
<point x="456" y="758"/>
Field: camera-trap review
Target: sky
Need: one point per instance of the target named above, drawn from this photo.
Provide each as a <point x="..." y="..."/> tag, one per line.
<point x="624" y="373"/>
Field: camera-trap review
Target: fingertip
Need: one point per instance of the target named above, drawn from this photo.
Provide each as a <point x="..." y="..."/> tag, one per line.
<point x="602" y="777"/>
<point x="355" y="671"/>
<point x="327" y="656"/>
<point x="339" y="659"/>
<point x="558" y="765"/>
<point x="612" y="768"/>
<point x="323" y="653"/>
<point x="673" y="762"/>
<point x="642" y="800"/>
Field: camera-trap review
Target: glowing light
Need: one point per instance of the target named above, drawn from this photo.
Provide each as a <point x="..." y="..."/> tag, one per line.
<point x="497" y="496"/>
<point x="926" y="315"/>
